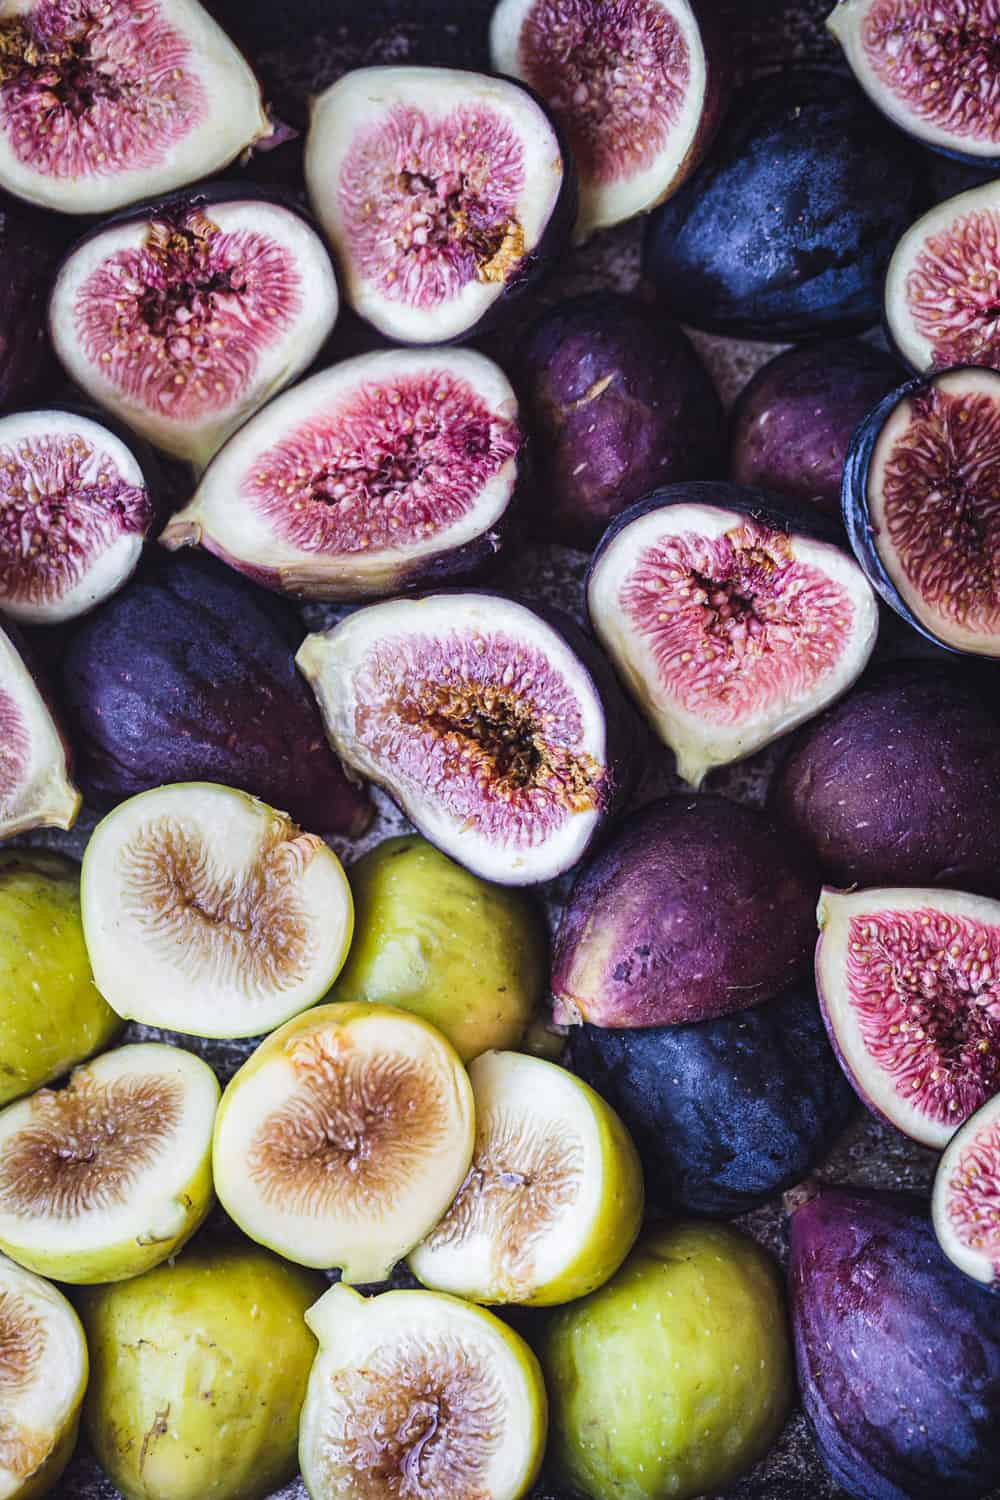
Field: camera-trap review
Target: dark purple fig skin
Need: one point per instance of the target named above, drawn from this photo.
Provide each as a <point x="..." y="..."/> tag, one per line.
<point x="31" y="244"/>
<point x="697" y="908"/>
<point x="619" y="403"/>
<point x="189" y="674"/>
<point x="898" y="1353"/>
<point x="897" y="783"/>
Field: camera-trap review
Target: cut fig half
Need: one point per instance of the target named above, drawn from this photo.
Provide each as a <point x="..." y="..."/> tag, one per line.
<point x="498" y="739"/>
<point x="966" y="1201"/>
<point x="419" y="1394"/>
<point x="345" y="1136"/>
<point x="441" y="192"/>
<point x="208" y="912"/>
<point x="389" y="470"/>
<point x="104" y="102"/>
<point x="185" y="316"/>
<point x="35" y="786"/>
<point x="728" y="623"/>
<point x="921" y="503"/>
<point x="107" y="1177"/>
<point x="635" y="89"/>
<point x="909" y="983"/>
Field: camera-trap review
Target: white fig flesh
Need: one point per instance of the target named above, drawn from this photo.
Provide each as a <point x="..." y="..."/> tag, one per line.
<point x="35" y="788"/>
<point x="966" y="1201"/>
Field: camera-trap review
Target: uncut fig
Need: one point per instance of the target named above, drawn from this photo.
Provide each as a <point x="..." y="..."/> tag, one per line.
<point x="966" y="1203"/>
<point x="30" y="245"/>
<point x="898" y="1353"/>
<point x="35" y="786"/>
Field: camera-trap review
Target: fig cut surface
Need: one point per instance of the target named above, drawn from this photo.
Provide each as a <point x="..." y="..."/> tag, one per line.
<point x="966" y="1202"/>
<point x="35" y="786"/>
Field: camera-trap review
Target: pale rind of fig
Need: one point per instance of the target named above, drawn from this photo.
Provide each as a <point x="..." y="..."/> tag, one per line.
<point x="329" y="493"/>
<point x="184" y="318"/>
<point x="455" y="1396"/>
<point x="728" y="630"/>
<point x="208" y="912"/>
<point x="107" y="1177"/>
<point x="107" y="103"/>
<point x="35" y="786"/>
<point x="43" y="1377"/>
<point x="909" y="985"/>
<point x="966" y="1200"/>
<point x="344" y="1137"/>
<point x="554" y="1197"/>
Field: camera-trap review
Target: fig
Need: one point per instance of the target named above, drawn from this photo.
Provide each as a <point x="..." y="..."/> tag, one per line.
<point x="498" y="731"/>
<point x="344" y="1138"/>
<point x="30" y="245"/>
<point x="35" y="786"/>
<point x="385" y="471"/>
<point x="233" y="917"/>
<point x="898" y="1353"/>
<point x="553" y="1200"/>
<point x="43" y="1375"/>
<point x="638" y="88"/>
<point x="930" y="66"/>
<point x="897" y="784"/>
<point x="429" y="937"/>
<point x="921" y="483"/>
<point x="839" y="185"/>
<point x="966" y="1204"/>
<point x="942" y="288"/>
<point x="728" y="622"/>
<point x="676" y="1375"/>
<point x="442" y="193"/>
<point x="110" y="1175"/>
<point x="619" y="402"/>
<point x="698" y="907"/>
<point x="184" y="316"/>
<point x="189" y="675"/>
<point x="198" y="1374"/>
<point x="724" y="1113"/>
<point x="794" y="421"/>
<point x="417" y="1393"/>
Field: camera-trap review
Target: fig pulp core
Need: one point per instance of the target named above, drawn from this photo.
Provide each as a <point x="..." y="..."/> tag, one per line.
<point x="942" y="57"/>
<point x="735" y="621"/>
<point x="22" y="1345"/>
<point x="92" y="87"/>
<point x="974" y="1195"/>
<point x="953" y="291"/>
<point x="15" y="747"/>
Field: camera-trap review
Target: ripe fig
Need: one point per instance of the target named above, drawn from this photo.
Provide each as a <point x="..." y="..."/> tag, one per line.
<point x="383" y="472"/>
<point x="208" y="912"/>
<point x="31" y="243"/>
<point x="441" y="192"/>
<point x="189" y="675"/>
<point x="500" y="733"/>
<point x="930" y="66"/>
<point x="344" y="1138"/>
<point x="898" y="1353"/>
<point x="638" y="88"/>
<point x="698" y="907"/>
<point x="921" y="488"/>
<point x="184" y="316"/>
<point x="966" y="1204"/>
<point x="728" y="620"/>
<point x="35" y="788"/>
<point x="619" y="402"/>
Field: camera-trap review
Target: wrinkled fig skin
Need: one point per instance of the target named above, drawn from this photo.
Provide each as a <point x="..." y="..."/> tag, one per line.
<point x="698" y="907"/>
<point x="725" y="1113"/>
<point x="839" y="185"/>
<point x="30" y="245"/>
<point x="898" y="1353"/>
<point x="188" y="674"/>
<point x="619" y="403"/>
<point x="897" y="783"/>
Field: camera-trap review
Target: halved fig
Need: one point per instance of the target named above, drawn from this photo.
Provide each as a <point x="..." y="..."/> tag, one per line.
<point x="909" y="982"/>
<point x="43" y="1376"/>
<point x="345" y="1136"/>
<point x="110" y="1175"/>
<point x="441" y="192"/>
<point x="942" y="288"/>
<point x="103" y="102"/>
<point x="417" y="1393"/>
<point x="206" y="911"/>
<point x="931" y="67"/>
<point x="633" y="85"/>
<point x="35" y="786"/>
<point x="498" y="732"/>
<point x="385" y="471"/>
<point x="728" y="622"/>
<point x="922" y="506"/>
<point x="966" y="1202"/>
<point x="553" y="1199"/>
<point x="184" y="316"/>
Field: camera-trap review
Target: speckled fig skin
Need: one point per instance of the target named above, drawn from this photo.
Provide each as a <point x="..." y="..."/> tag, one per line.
<point x="898" y="1353"/>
